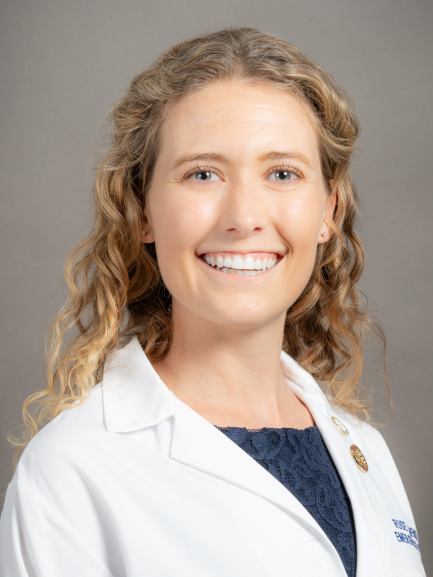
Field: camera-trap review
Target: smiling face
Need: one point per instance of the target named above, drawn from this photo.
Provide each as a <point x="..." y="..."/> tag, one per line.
<point x="237" y="204"/>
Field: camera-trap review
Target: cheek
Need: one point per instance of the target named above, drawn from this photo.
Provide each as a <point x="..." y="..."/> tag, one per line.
<point x="181" y="222"/>
<point x="299" y="223"/>
<point x="182" y="219"/>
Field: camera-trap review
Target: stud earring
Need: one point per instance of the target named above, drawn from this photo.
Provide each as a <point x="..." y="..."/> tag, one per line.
<point x="324" y="233"/>
<point x="144" y="232"/>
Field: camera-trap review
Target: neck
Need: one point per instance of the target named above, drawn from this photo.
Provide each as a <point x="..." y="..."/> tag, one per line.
<point x="230" y="375"/>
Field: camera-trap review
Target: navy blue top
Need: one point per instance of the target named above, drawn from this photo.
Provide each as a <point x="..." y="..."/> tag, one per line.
<point x="300" y="460"/>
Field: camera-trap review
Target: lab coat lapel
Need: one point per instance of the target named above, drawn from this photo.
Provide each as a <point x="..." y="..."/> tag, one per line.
<point x="199" y="444"/>
<point x="369" y="538"/>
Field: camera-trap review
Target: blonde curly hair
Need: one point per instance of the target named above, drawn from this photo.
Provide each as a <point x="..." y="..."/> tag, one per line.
<point x="115" y="277"/>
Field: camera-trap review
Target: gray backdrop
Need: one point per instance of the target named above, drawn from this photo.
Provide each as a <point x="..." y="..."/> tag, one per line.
<point x="64" y="63"/>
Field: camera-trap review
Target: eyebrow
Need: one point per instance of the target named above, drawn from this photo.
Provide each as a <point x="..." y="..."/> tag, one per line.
<point x="217" y="157"/>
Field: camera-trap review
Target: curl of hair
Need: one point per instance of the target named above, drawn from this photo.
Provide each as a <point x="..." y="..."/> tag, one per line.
<point x="115" y="278"/>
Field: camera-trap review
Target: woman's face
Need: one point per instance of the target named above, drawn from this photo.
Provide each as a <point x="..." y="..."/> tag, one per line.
<point x="237" y="204"/>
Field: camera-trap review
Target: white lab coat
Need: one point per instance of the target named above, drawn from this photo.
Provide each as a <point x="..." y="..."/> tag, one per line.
<point x="134" y="483"/>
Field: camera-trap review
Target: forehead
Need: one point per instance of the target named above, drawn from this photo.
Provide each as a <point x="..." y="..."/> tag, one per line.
<point x="241" y="117"/>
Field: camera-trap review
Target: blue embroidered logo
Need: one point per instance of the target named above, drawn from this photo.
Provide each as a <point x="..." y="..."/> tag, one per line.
<point x="403" y="537"/>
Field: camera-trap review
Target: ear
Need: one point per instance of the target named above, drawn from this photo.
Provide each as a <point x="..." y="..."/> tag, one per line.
<point x="147" y="228"/>
<point x="331" y="201"/>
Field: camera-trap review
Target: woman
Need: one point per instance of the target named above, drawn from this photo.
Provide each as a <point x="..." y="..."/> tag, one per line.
<point x="208" y="419"/>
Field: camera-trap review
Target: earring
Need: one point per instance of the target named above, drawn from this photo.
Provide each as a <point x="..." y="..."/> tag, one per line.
<point x="144" y="232"/>
<point x="324" y="233"/>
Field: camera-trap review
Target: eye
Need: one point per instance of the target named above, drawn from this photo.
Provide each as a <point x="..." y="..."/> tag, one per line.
<point x="203" y="174"/>
<point x="285" y="174"/>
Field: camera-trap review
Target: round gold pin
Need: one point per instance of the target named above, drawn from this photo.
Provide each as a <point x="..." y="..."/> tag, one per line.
<point x="359" y="458"/>
<point x="340" y="426"/>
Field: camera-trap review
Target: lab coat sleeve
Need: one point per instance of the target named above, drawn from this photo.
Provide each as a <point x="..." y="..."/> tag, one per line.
<point x="35" y="541"/>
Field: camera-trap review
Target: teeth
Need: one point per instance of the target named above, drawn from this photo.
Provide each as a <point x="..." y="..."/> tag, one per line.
<point x="240" y="265"/>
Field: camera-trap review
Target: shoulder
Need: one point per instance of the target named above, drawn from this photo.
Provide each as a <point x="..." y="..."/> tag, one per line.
<point x="66" y="443"/>
<point x="55" y="514"/>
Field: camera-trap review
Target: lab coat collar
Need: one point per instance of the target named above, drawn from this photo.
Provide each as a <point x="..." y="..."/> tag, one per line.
<point x="133" y="394"/>
<point x="135" y="397"/>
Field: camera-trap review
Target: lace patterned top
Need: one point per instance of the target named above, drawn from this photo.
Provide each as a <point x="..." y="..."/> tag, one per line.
<point x="300" y="460"/>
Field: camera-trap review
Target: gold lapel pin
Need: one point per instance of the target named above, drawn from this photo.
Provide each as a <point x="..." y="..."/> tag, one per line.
<point x="340" y="426"/>
<point x="359" y="458"/>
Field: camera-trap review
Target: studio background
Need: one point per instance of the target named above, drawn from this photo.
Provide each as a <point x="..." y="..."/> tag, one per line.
<point x="64" y="63"/>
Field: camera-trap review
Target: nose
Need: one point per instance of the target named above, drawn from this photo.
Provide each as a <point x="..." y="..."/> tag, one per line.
<point x="244" y="209"/>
